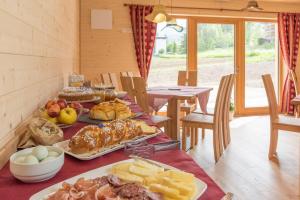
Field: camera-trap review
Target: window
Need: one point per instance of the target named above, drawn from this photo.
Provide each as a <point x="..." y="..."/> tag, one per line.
<point x="169" y="56"/>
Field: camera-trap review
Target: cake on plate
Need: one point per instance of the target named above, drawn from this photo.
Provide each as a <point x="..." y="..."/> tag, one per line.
<point x="76" y="94"/>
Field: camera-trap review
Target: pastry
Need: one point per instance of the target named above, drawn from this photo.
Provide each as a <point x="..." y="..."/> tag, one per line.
<point x="110" y="111"/>
<point x="92" y="138"/>
<point x="76" y="94"/>
<point x="103" y="111"/>
<point x="88" y="139"/>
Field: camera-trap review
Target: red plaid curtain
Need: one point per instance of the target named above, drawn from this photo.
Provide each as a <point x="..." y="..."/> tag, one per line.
<point x="289" y="34"/>
<point x="144" y="33"/>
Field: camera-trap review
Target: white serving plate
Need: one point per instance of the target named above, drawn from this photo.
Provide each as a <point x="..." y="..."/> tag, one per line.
<point x="102" y="171"/>
<point x="64" y="145"/>
<point x="95" y="99"/>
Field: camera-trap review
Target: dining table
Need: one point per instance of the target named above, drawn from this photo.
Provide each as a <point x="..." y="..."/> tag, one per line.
<point x="160" y="95"/>
<point x="13" y="189"/>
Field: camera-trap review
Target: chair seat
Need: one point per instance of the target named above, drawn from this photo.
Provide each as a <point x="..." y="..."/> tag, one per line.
<point x="159" y="120"/>
<point x="188" y="107"/>
<point x="288" y="123"/>
<point x="198" y="118"/>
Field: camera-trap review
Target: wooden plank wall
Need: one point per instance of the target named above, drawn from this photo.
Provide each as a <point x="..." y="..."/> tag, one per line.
<point x="113" y="50"/>
<point x="106" y="50"/>
<point x="39" y="48"/>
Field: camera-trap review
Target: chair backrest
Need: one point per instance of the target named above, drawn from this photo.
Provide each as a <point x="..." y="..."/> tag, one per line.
<point x="140" y="91"/>
<point x="108" y="79"/>
<point x="127" y="85"/>
<point x="294" y="78"/>
<point x="218" y="113"/>
<point x="136" y="89"/>
<point x="187" y="78"/>
<point x="130" y="74"/>
<point x="269" y="87"/>
<point x="225" y="118"/>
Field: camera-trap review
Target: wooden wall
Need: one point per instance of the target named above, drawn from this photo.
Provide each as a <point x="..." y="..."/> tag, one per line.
<point x="113" y="50"/>
<point x="39" y="48"/>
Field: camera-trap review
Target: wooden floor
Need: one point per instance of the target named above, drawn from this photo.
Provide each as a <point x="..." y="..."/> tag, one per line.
<point x="245" y="170"/>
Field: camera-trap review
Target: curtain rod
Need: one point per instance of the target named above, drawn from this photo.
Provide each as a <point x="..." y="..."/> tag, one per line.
<point x="215" y="9"/>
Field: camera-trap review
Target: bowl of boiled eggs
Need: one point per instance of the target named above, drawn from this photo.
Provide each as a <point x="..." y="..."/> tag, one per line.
<point x="36" y="164"/>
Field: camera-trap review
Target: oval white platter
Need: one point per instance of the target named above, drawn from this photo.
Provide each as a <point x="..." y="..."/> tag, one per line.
<point x="64" y="145"/>
<point x="95" y="99"/>
<point x="102" y="171"/>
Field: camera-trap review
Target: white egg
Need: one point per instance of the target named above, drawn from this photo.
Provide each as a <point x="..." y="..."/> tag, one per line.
<point x="19" y="159"/>
<point x="49" y="158"/>
<point x="53" y="154"/>
<point x="30" y="160"/>
<point x="40" y="152"/>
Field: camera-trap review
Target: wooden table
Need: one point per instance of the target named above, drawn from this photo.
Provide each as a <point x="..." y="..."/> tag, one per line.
<point x="296" y="102"/>
<point x="173" y="96"/>
<point x="12" y="189"/>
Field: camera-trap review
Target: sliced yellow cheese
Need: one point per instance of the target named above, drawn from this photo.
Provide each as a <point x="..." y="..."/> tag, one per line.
<point x="140" y="171"/>
<point x="121" y="167"/>
<point x="183" y="189"/>
<point x="144" y="164"/>
<point x="181" y="176"/>
<point x="126" y="176"/>
<point x="164" y="190"/>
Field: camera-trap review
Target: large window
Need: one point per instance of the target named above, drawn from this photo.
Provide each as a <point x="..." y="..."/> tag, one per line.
<point x="217" y="47"/>
<point x="261" y="58"/>
<point x="215" y="53"/>
<point x="169" y="56"/>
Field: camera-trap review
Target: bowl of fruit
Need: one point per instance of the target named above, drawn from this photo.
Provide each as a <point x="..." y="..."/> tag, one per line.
<point x="61" y="113"/>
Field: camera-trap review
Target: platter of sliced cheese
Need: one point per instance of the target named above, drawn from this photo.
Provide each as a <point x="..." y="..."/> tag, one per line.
<point x="168" y="182"/>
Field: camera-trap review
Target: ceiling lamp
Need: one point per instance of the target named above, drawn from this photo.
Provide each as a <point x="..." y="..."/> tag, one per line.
<point x="253" y="6"/>
<point x="173" y="24"/>
<point x="158" y="15"/>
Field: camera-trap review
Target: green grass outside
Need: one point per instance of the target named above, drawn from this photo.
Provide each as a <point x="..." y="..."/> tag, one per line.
<point x="254" y="56"/>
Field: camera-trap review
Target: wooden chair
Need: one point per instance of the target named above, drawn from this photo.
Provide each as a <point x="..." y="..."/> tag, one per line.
<point x="294" y="78"/>
<point x="129" y="74"/>
<point x="188" y="78"/>
<point x="225" y="117"/>
<point x="136" y="89"/>
<point x="193" y="121"/>
<point x="108" y="79"/>
<point x="277" y="122"/>
<point x="297" y="91"/>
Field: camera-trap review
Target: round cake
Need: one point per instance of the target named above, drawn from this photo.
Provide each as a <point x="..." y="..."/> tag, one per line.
<point x="76" y="94"/>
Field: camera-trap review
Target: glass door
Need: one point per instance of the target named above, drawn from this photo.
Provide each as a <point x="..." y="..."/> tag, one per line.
<point x="261" y="57"/>
<point x="215" y="55"/>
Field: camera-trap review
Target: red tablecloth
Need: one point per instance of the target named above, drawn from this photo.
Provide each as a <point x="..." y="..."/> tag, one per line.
<point x="12" y="189"/>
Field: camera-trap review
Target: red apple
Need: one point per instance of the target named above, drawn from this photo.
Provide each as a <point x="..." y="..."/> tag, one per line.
<point x="53" y="110"/>
<point x="50" y="103"/>
<point x="77" y="106"/>
<point x="62" y="103"/>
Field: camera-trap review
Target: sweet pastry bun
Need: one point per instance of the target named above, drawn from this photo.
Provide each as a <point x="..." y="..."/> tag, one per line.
<point x="87" y="139"/>
<point x="110" y="111"/>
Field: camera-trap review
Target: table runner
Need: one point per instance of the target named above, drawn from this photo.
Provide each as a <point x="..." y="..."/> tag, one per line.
<point x="12" y="189"/>
<point x="159" y="96"/>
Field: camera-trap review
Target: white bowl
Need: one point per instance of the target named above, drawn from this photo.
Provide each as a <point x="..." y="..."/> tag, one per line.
<point x="36" y="172"/>
<point x="121" y="94"/>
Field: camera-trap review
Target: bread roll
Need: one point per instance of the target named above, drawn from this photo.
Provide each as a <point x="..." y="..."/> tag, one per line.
<point x="87" y="139"/>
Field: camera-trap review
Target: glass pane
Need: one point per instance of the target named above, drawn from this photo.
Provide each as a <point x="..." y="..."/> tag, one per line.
<point x="215" y="55"/>
<point x="261" y="58"/>
<point x="169" y="56"/>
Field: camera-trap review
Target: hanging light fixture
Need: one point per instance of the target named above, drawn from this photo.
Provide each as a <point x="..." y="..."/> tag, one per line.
<point x="158" y="14"/>
<point x="252" y="6"/>
<point x="173" y="23"/>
